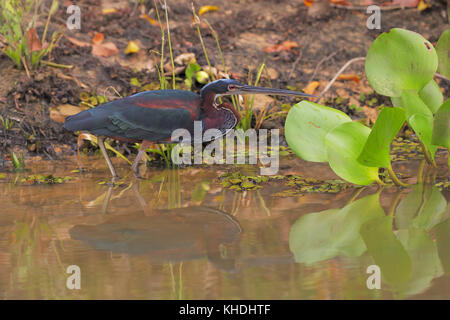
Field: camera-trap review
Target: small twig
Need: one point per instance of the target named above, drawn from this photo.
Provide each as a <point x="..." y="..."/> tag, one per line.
<point x="57" y="65"/>
<point x="294" y="65"/>
<point x="337" y="75"/>
<point x="440" y="76"/>
<point x="321" y="62"/>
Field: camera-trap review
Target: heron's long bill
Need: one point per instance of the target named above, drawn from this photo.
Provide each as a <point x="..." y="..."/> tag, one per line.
<point x="268" y="91"/>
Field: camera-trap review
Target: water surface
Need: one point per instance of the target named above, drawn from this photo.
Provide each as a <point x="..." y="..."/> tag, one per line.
<point x="179" y="234"/>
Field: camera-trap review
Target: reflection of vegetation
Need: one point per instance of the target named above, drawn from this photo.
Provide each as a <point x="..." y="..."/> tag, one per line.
<point x="408" y="257"/>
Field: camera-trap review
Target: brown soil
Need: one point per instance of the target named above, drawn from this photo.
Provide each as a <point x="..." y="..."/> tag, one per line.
<point x="245" y="29"/>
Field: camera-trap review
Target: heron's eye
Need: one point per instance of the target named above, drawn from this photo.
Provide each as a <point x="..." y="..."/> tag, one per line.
<point x="231" y="87"/>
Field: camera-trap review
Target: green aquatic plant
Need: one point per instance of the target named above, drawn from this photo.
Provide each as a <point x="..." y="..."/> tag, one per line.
<point x="400" y="64"/>
<point x="44" y="179"/>
<point x="19" y="32"/>
<point x="410" y="244"/>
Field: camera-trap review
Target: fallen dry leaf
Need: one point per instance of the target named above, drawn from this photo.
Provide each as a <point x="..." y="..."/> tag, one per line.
<point x="284" y="46"/>
<point x="423" y="5"/>
<point x="98" y="38"/>
<point x="311" y="87"/>
<point x="59" y="113"/>
<point x="106" y="49"/>
<point x="33" y="41"/>
<point x="205" y="9"/>
<point x="77" y="42"/>
<point x="153" y="22"/>
<point x="109" y="10"/>
<point x="405" y="3"/>
<point x="349" y="77"/>
<point x="308" y="3"/>
<point x="132" y="47"/>
<point x="185" y="58"/>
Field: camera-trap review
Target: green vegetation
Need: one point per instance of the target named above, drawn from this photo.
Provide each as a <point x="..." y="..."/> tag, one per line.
<point x="400" y="64"/>
<point x="18" y="30"/>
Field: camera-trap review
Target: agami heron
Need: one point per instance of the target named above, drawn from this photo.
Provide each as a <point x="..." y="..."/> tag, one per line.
<point x="151" y="116"/>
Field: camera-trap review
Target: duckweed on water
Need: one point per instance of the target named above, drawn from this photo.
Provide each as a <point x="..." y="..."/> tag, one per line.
<point x="309" y="185"/>
<point x="443" y="185"/>
<point x="238" y="182"/>
<point x="41" y="179"/>
<point x="406" y="149"/>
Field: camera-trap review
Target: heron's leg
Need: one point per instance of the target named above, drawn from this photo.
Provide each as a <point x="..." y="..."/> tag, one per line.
<point x="141" y="153"/>
<point x="101" y="144"/>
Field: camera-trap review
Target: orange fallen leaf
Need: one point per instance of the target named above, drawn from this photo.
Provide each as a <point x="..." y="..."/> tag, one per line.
<point x="77" y="42"/>
<point x="349" y="76"/>
<point x="33" y="42"/>
<point x="284" y="46"/>
<point x="205" y="9"/>
<point x="98" y="38"/>
<point x="308" y="3"/>
<point x="311" y="87"/>
<point x="106" y="49"/>
<point x="153" y="22"/>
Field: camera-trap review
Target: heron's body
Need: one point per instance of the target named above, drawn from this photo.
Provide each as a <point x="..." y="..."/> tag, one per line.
<point x="152" y="116"/>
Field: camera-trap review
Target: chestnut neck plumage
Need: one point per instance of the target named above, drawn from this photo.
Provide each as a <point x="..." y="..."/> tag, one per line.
<point x="223" y="116"/>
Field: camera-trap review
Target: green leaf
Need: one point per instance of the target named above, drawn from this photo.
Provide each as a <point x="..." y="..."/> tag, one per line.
<point x="345" y="235"/>
<point x="400" y="60"/>
<point x="423" y="207"/>
<point x="414" y="105"/>
<point x="442" y="234"/>
<point x="309" y="238"/>
<point x="376" y="150"/>
<point x="420" y="119"/>
<point x="307" y="124"/>
<point x="424" y="259"/>
<point x="344" y="144"/>
<point x="432" y="96"/>
<point x="443" y="53"/>
<point x="423" y="127"/>
<point x="323" y="235"/>
<point x="386" y="250"/>
<point x="441" y="126"/>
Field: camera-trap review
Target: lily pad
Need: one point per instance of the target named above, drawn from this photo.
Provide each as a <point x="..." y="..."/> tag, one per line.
<point x="400" y="60"/>
<point x="307" y="124"/>
<point x="344" y="145"/>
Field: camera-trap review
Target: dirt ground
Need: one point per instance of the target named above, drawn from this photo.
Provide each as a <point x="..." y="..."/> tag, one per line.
<point x="246" y="28"/>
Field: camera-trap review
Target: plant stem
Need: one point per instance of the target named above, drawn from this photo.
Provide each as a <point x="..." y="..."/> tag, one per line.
<point x="197" y="24"/>
<point x="427" y="154"/>
<point x="57" y="65"/>
<point x="170" y="45"/>
<point x="420" y="171"/>
<point x="394" y="177"/>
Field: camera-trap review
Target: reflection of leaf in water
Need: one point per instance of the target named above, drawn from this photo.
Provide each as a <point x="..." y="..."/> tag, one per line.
<point x="323" y="235"/>
<point x="424" y="258"/>
<point x="310" y="235"/>
<point x="423" y="207"/>
<point x="386" y="250"/>
<point x="442" y="233"/>
<point x="346" y="236"/>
